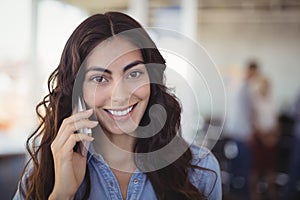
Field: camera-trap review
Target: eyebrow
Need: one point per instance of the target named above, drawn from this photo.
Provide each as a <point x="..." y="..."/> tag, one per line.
<point x="127" y="67"/>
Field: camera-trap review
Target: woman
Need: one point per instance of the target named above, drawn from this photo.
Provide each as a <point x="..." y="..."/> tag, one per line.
<point x="264" y="140"/>
<point x="111" y="63"/>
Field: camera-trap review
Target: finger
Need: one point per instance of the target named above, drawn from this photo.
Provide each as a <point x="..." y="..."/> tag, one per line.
<point x="80" y="115"/>
<point x="84" y="123"/>
<point x="72" y="127"/>
<point x="73" y="118"/>
<point x="74" y="138"/>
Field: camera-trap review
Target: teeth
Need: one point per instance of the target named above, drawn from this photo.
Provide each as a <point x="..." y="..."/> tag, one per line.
<point x="119" y="113"/>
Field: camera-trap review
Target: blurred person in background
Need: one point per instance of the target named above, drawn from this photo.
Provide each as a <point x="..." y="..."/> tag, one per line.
<point x="264" y="139"/>
<point x="292" y="190"/>
<point x="239" y="128"/>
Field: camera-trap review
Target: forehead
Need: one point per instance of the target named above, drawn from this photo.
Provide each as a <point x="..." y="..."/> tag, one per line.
<point x="112" y="50"/>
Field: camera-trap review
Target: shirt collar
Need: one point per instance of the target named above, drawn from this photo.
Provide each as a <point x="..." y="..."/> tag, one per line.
<point x="92" y="153"/>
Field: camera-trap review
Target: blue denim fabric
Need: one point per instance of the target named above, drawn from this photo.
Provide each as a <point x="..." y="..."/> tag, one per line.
<point x="104" y="184"/>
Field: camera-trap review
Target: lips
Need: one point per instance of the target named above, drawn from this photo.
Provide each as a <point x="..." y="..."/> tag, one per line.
<point x="120" y="112"/>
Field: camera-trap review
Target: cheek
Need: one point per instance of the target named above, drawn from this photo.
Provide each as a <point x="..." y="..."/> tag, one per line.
<point x="143" y="92"/>
<point x="94" y="97"/>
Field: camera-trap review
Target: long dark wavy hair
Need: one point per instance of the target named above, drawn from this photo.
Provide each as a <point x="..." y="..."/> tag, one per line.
<point x="169" y="182"/>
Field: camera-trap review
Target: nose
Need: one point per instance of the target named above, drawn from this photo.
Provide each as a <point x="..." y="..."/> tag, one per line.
<point x="120" y="93"/>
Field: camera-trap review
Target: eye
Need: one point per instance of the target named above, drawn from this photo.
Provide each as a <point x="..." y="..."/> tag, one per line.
<point x="134" y="74"/>
<point x="99" y="79"/>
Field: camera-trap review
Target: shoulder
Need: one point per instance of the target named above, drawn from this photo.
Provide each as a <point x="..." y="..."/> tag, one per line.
<point x="203" y="157"/>
<point x="205" y="174"/>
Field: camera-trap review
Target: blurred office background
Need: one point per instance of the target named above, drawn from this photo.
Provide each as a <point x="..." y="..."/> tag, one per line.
<point x="231" y="33"/>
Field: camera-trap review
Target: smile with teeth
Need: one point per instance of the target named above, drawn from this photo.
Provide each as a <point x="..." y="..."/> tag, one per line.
<point x="119" y="113"/>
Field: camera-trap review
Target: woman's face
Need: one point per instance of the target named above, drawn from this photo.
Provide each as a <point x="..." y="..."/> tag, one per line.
<point x="116" y="85"/>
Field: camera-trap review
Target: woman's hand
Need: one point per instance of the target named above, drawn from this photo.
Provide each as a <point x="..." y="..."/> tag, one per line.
<point x="70" y="166"/>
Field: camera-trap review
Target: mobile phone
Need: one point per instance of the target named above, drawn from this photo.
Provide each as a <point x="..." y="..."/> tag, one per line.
<point x="84" y="145"/>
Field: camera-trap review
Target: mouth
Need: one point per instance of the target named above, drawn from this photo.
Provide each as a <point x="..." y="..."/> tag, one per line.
<point x="120" y="112"/>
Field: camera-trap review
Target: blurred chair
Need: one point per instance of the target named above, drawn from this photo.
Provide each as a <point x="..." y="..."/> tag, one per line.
<point x="11" y="167"/>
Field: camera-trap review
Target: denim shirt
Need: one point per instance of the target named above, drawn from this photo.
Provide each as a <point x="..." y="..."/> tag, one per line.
<point x="104" y="184"/>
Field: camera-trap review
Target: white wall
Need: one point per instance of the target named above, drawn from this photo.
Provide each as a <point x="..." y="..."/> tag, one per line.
<point x="232" y="37"/>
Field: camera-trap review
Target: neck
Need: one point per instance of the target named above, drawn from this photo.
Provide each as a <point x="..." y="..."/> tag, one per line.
<point x="117" y="150"/>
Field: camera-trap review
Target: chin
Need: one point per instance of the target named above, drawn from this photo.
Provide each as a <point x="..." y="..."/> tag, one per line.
<point x="122" y="130"/>
<point x="118" y="127"/>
